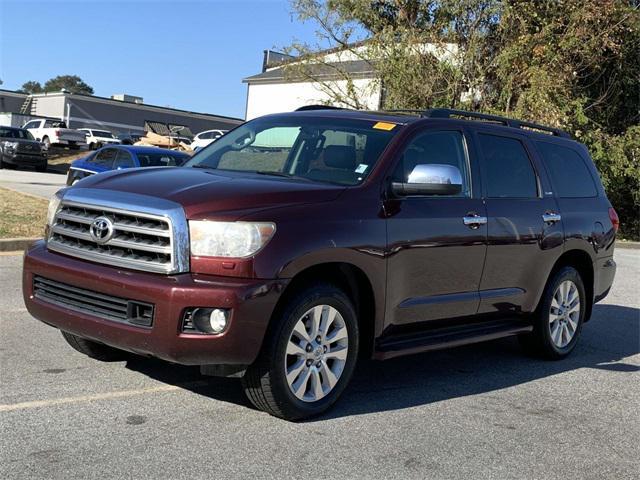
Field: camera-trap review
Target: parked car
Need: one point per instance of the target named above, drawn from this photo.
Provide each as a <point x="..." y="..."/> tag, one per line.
<point x="185" y="140"/>
<point x="55" y="132"/>
<point x="99" y="138"/>
<point x="203" y="139"/>
<point x="299" y="241"/>
<point x="19" y="148"/>
<point x="129" y="138"/>
<point x="121" y="157"/>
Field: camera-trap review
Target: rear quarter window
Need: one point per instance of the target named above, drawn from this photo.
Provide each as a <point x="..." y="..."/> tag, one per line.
<point x="569" y="174"/>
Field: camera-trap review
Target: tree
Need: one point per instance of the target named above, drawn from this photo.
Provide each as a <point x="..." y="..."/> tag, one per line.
<point x="31" y="87"/>
<point x="71" y="83"/>
<point x="573" y="64"/>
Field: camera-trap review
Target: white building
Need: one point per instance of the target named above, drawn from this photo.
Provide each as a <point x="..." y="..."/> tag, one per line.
<point x="275" y="90"/>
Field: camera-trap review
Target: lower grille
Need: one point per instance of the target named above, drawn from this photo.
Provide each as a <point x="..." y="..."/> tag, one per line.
<point x="93" y="303"/>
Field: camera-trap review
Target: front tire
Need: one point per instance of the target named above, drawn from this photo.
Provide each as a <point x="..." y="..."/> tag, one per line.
<point x="559" y="317"/>
<point x="308" y="357"/>
<point x="94" y="350"/>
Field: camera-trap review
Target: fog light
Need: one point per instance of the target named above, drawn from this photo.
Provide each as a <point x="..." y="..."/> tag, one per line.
<point x="210" y="320"/>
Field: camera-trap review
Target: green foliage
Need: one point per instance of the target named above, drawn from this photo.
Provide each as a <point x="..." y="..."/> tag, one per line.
<point x="71" y="83"/>
<point x="31" y="87"/>
<point x="574" y="64"/>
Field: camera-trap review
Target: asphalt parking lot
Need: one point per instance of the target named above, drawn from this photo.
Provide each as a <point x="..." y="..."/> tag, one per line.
<point x="33" y="183"/>
<point x="483" y="411"/>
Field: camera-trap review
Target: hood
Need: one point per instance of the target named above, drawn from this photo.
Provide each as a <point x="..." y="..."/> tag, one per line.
<point x="207" y="193"/>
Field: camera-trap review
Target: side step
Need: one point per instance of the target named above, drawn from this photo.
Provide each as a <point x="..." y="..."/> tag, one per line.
<point x="394" y="345"/>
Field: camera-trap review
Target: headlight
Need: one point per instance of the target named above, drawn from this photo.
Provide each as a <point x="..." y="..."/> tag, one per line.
<point x="54" y="204"/>
<point x="11" y="145"/>
<point x="228" y="239"/>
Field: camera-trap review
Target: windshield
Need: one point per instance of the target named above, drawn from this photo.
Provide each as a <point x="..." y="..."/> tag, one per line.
<point x="15" y="133"/>
<point x="341" y="151"/>
<point x="102" y="133"/>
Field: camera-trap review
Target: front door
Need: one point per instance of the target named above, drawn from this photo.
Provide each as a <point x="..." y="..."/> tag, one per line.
<point x="435" y="257"/>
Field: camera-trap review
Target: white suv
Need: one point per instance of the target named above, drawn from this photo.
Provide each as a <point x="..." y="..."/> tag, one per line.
<point x="203" y="139"/>
<point x="99" y="138"/>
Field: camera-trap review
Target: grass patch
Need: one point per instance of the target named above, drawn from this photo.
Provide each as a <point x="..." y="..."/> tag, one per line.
<point x="21" y="215"/>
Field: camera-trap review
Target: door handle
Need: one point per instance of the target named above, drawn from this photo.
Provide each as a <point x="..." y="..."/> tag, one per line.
<point x="474" y="221"/>
<point x="551" y="217"/>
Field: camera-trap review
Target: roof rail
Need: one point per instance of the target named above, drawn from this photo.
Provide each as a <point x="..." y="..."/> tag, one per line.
<point x="317" y="107"/>
<point x="509" y="122"/>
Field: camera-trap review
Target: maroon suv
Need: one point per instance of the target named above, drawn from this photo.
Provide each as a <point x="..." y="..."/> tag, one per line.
<point x="298" y="241"/>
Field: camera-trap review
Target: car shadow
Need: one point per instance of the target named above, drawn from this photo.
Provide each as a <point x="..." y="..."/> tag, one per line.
<point x="612" y="335"/>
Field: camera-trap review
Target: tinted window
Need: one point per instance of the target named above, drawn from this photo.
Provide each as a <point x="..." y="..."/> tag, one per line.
<point x="123" y="160"/>
<point x="435" y="148"/>
<point x="104" y="157"/>
<point x="506" y="169"/>
<point x="102" y="133"/>
<point x="161" y="159"/>
<point x="15" y="133"/>
<point x="569" y="174"/>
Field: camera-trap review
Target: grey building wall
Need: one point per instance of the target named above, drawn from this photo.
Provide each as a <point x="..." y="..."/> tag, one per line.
<point x="120" y="116"/>
<point x="11" y="102"/>
<point x="84" y="111"/>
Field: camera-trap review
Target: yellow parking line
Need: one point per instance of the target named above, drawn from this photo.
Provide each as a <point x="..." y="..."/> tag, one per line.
<point x="98" y="396"/>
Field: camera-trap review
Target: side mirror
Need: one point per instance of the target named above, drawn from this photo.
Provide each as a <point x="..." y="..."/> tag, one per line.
<point x="430" y="179"/>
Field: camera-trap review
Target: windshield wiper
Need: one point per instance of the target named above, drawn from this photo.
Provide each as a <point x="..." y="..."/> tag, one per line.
<point x="201" y="165"/>
<point x="276" y="173"/>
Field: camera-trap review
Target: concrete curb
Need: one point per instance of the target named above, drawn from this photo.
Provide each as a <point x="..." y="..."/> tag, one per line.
<point x="15" y="244"/>
<point x="628" y="245"/>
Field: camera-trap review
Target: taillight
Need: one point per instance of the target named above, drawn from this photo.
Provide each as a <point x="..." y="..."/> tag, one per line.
<point x="57" y="133"/>
<point x="615" y="221"/>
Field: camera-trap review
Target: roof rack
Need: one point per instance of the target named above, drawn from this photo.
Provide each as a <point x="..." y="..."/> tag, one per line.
<point x="317" y="107"/>
<point x="508" y="122"/>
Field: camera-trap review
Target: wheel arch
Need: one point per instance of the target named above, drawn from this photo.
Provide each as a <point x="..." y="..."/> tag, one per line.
<point x="356" y="285"/>
<point x="583" y="263"/>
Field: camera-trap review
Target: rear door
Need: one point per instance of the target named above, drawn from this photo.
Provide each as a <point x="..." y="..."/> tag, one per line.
<point x="435" y="260"/>
<point x="525" y="235"/>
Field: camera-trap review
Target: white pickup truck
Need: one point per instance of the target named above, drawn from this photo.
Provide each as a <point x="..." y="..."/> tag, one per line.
<point x="55" y="132"/>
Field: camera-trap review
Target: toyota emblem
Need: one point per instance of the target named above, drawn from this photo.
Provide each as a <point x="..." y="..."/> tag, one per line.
<point x="101" y="230"/>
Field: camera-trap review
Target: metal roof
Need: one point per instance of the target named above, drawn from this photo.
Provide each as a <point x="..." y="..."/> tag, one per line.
<point x="319" y="71"/>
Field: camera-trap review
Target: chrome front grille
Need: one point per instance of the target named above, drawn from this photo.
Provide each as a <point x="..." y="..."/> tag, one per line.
<point x="137" y="240"/>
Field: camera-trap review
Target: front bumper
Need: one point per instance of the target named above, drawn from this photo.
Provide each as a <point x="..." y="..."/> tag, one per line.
<point x="25" y="159"/>
<point x="251" y="303"/>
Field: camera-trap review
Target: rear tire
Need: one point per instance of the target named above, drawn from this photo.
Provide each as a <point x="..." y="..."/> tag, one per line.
<point x="308" y="356"/>
<point x="94" y="350"/>
<point x="46" y="142"/>
<point x="559" y="317"/>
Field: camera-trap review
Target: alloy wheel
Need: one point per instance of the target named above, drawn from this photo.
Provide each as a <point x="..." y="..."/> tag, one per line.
<point x="316" y="353"/>
<point x="564" y="314"/>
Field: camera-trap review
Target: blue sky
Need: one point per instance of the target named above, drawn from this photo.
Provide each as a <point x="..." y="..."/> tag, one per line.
<point x="184" y="54"/>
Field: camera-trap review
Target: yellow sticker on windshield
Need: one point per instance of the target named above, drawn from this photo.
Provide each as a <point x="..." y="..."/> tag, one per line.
<point x="384" y="126"/>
